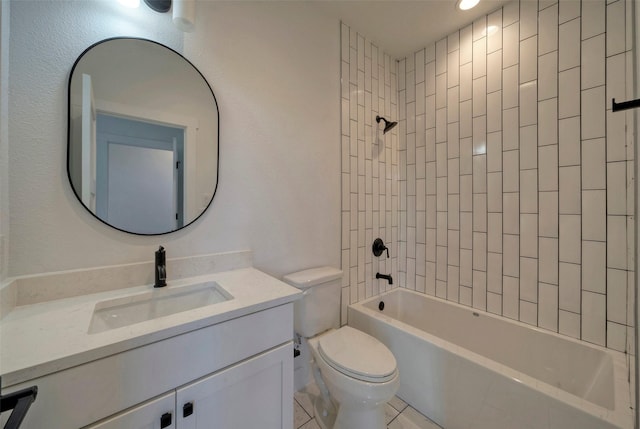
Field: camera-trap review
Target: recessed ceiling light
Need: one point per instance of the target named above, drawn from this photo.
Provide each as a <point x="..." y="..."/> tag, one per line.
<point x="466" y="4"/>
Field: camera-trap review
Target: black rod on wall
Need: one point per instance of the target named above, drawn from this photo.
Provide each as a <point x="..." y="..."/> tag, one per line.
<point x="615" y="107"/>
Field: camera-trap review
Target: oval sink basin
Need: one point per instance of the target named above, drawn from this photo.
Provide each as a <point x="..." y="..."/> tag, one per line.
<point x="125" y="311"/>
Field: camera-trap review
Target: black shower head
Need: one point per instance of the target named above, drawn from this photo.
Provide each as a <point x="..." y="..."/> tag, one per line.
<point x="388" y="125"/>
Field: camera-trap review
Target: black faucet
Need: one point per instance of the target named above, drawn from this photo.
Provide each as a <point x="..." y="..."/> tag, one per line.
<point x="160" y="268"/>
<point x="386" y="277"/>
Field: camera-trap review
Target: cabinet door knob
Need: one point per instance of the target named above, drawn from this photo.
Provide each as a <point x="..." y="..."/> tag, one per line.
<point x="187" y="409"/>
<point x="165" y="420"/>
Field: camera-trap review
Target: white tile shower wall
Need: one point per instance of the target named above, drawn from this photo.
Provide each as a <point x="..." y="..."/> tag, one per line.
<point x="516" y="179"/>
<point x="371" y="204"/>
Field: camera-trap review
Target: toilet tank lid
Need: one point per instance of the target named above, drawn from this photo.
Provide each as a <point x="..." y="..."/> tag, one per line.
<point x="312" y="277"/>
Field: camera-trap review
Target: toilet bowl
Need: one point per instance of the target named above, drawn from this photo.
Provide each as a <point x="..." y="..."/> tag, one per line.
<point x="360" y="373"/>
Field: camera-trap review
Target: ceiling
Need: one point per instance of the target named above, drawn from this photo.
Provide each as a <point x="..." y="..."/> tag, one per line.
<point x="401" y="27"/>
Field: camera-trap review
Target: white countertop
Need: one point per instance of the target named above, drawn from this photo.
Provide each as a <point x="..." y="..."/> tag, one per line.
<point x="39" y="339"/>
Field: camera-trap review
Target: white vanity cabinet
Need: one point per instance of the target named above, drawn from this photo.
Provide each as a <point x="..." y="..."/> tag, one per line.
<point x="248" y="395"/>
<point x="236" y="374"/>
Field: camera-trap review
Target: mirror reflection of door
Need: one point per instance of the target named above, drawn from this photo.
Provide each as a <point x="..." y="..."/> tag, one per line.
<point x="139" y="180"/>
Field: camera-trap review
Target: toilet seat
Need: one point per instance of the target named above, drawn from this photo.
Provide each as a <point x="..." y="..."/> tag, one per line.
<point x="357" y="355"/>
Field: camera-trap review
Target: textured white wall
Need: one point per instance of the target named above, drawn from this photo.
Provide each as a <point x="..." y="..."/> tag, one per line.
<point x="274" y="70"/>
<point x="4" y="145"/>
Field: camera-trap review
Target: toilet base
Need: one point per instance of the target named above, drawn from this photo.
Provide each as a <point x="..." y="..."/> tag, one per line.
<point x="325" y="414"/>
<point x="359" y="418"/>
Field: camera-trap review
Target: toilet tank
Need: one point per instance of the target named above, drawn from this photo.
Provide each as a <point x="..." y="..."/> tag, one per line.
<point x="319" y="308"/>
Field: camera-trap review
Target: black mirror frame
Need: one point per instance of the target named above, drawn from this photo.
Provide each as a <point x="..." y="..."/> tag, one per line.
<point x="69" y="134"/>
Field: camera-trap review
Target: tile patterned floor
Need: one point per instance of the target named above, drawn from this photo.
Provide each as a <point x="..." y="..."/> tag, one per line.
<point x="399" y="415"/>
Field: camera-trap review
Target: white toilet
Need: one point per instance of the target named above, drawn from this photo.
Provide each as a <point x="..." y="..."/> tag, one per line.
<point x="359" y="371"/>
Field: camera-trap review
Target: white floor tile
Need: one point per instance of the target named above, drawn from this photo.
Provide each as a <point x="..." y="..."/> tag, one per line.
<point x="300" y="416"/>
<point x="411" y="419"/>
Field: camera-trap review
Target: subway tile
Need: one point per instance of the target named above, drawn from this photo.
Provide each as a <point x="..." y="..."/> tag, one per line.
<point x="441" y="91"/>
<point x="511" y="207"/>
<point x="570" y="191"/>
<point x="528" y="59"/>
<point x="453" y="248"/>
<point x="494" y="303"/>
<point x="615" y="31"/>
<point x="494" y="71"/>
<point x="466" y="156"/>
<point x="528" y="19"/>
<point x="480" y="212"/>
<point x="430" y="53"/>
<point x="569" y="44"/>
<point x="569" y="141"/>
<point x="479" y="28"/>
<point x="494" y="272"/>
<point x="494" y="192"/>
<point x="569" y="287"/>
<point x="529" y="310"/>
<point x="453" y="42"/>
<point x="548" y="307"/>
<point x="479" y="58"/>
<point x="479" y="290"/>
<point x="616" y="137"/>
<point x="494" y="111"/>
<point x="616" y="183"/>
<point x="479" y="174"/>
<point x="494" y="152"/>
<point x="548" y="260"/>
<point x="511" y="45"/>
<point x="570" y="238"/>
<point x="594" y="266"/>
<point x="430" y="279"/>
<point x="510" y="13"/>
<point x="511" y="85"/>
<point x="593" y="113"/>
<point x="616" y="336"/>
<point x="466" y="44"/>
<point x="594" y="220"/>
<point x="453" y="69"/>
<point x="510" y="297"/>
<point x="466" y="230"/>
<point x="568" y="322"/>
<point x="466" y="119"/>
<point x="593" y="18"/>
<point x="453" y="181"/>
<point x="479" y="135"/>
<point x="511" y="171"/>
<point x="593" y="62"/>
<point x="479" y="96"/>
<point x="548" y="75"/>
<point x="568" y="10"/>
<point x="452" y="104"/>
<point x="494" y="232"/>
<point x="441" y="263"/>
<point x="466" y="267"/>
<point x="529" y="235"/>
<point x="617" y="296"/>
<point x="548" y="220"/>
<point x="511" y="129"/>
<point x="548" y="168"/>
<point x="511" y="258"/>
<point x="465" y="296"/>
<point x="466" y="193"/>
<point x="617" y="242"/>
<point x="593" y="318"/>
<point x="593" y="164"/>
<point x="529" y="279"/>
<point x="529" y="191"/>
<point x="528" y="147"/>
<point x="453" y="283"/>
<point x="441" y="125"/>
<point x="494" y="37"/>
<point x="466" y="81"/>
<point x="548" y="122"/>
<point x="616" y="82"/>
<point x="569" y="93"/>
<point x="419" y="65"/>
<point x="548" y="30"/>
<point x="528" y="103"/>
<point x="430" y="78"/>
<point x="480" y="251"/>
<point x="431" y="246"/>
<point x="441" y="200"/>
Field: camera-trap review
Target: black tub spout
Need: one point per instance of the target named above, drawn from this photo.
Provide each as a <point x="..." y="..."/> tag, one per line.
<point x="387" y="277"/>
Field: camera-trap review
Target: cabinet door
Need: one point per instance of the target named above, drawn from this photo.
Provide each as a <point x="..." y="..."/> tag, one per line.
<point x="256" y="393"/>
<point x="158" y="413"/>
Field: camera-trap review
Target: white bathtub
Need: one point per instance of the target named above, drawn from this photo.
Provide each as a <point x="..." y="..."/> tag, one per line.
<point x="467" y="369"/>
